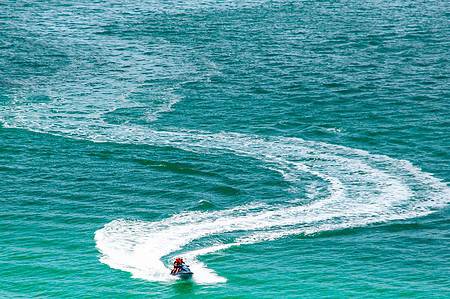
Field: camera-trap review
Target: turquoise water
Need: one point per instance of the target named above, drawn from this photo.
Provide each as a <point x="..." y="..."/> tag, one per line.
<point x="285" y="149"/>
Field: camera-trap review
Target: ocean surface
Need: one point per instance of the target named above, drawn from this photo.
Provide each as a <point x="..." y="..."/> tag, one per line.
<point x="286" y="149"/>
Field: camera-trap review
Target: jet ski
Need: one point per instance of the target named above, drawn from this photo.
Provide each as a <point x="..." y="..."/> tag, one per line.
<point x="180" y="269"/>
<point x="184" y="272"/>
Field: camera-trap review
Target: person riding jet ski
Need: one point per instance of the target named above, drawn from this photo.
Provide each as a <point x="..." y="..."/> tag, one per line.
<point x="180" y="269"/>
<point x="177" y="265"/>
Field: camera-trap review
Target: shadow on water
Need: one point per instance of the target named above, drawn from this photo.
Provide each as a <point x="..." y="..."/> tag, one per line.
<point x="184" y="287"/>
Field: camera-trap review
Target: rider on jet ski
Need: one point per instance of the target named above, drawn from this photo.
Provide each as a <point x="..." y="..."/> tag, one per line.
<point x="177" y="265"/>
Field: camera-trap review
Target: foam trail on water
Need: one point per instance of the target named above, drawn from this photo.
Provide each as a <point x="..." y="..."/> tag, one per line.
<point x="362" y="189"/>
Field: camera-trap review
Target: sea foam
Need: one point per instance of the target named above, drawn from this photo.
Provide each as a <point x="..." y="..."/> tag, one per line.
<point x="362" y="188"/>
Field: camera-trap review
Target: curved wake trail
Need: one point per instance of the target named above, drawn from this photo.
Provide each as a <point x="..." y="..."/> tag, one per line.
<point x="362" y="189"/>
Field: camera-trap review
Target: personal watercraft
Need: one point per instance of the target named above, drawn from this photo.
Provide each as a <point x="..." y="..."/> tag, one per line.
<point x="183" y="272"/>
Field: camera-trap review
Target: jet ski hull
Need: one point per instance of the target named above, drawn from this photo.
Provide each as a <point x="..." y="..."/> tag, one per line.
<point x="184" y="273"/>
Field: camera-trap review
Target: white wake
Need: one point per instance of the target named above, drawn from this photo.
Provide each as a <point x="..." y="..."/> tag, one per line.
<point x="363" y="189"/>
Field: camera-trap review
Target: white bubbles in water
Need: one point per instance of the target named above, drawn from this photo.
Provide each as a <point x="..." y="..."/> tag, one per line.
<point x="363" y="189"/>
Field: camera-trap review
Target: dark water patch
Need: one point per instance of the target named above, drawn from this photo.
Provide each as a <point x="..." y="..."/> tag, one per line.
<point x="9" y="169"/>
<point x="39" y="98"/>
<point x="260" y="90"/>
<point x="181" y="168"/>
<point x="226" y="190"/>
<point x="109" y="29"/>
<point x="397" y="227"/>
<point x="102" y="154"/>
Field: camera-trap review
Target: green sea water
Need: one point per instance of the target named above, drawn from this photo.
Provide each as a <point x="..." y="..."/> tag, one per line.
<point x="286" y="149"/>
